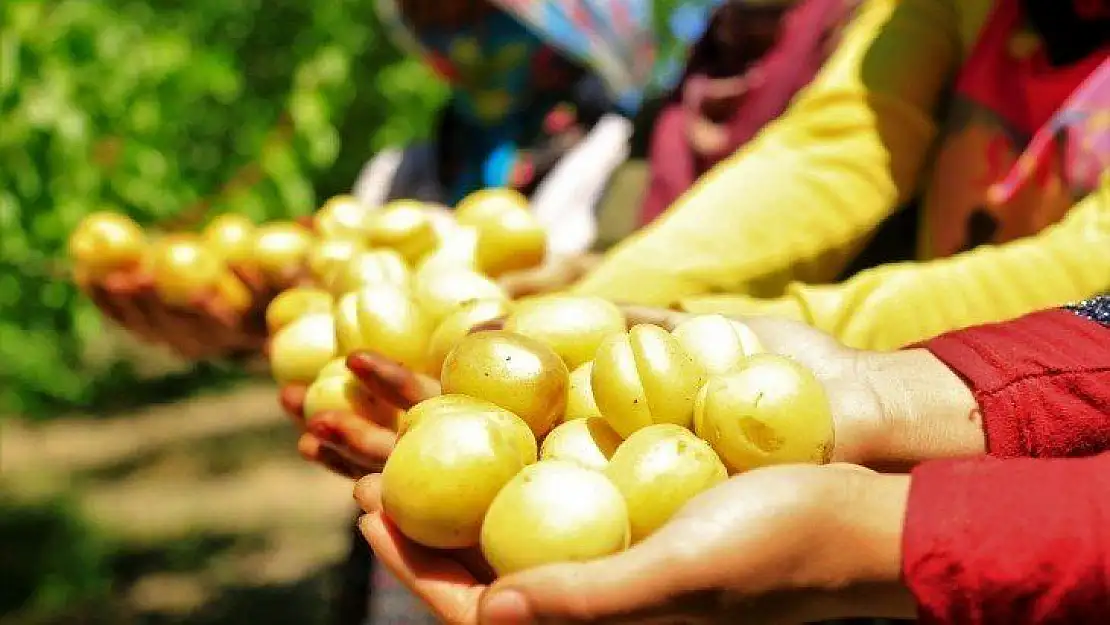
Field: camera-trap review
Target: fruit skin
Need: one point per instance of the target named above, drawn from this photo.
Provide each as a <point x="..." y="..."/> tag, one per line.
<point x="367" y="269"/>
<point x="342" y="217"/>
<point x="404" y="226"/>
<point x="336" y="390"/>
<point x="105" y="242"/>
<point x="442" y="477"/>
<point x="232" y="237"/>
<point x="554" y="511"/>
<point x="770" y="411"/>
<point x="515" y="372"/>
<point x="327" y="256"/>
<point x="509" y="237"/>
<point x="716" y="342"/>
<point x="657" y="470"/>
<point x="442" y="292"/>
<point x="184" y="269"/>
<point x="302" y="349"/>
<point x="458" y="248"/>
<point x="281" y="249"/>
<point x="515" y="428"/>
<point x="645" y="377"/>
<point x="456" y="326"/>
<point x="580" y="395"/>
<point x="589" y="442"/>
<point x="295" y="303"/>
<point x="383" y="318"/>
<point x="572" y="326"/>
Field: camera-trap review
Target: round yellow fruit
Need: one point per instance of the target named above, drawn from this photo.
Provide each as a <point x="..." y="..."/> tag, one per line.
<point x="302" y="349"/>
<point x="295" y="303"/>
<point x="515" y="372"/>
<point x="367" y="269"/>
<point x="232" y="237"/>
<point x="512" y="425"/>
<point x="404" y="226"/>
<point x="645" y="377"/>
<point x="105" y="242"/>
<point x="329" y="255"/>
<point x="456" y="326"/>
<point x="572" y="326"/>
<point x="716" y="342"/>
<point x="660" y="468"/>
<point x="184" y="269"/>
<point x="342" y="217"/>
<point x="281" y="249"/>
<point x="442" y="477"/>
<point x="589" y="442"/>
<point x="336" y="392"/>
<point x="580" y="396"/>
<point x="554" y="511"/>
<point x="515" y="241"/>
<point x="441" y="293"/>
<point x="772" y="410"/>
<point x="458" y="248"/>
<point x="384" y="319"/>
<point x="487" y="205"/>
<point x="337" y="367"/>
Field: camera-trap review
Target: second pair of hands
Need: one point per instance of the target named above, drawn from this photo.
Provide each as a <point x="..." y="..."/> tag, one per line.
<point x="778" y="545"/>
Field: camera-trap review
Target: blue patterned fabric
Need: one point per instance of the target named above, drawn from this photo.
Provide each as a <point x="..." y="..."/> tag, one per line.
<point x="1096" y="309"/>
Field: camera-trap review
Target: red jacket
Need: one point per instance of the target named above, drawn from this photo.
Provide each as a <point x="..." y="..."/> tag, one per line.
<point x="1022" y="536"/>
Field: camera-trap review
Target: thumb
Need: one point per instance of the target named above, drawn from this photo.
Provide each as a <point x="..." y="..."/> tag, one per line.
<point x="390" y="381"/>
<point x="650" y="581"/>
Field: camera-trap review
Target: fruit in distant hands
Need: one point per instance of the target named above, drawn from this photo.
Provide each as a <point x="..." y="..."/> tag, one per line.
<point x="515" y="372"/>
<point x="580" y="395"/>
<point x="302" y="349"/>
<point x="329" y="255"/>
<point x="589" y="442"/>
<point x="336" y="389"/>
<point x="511" y="425"/>
<point x="281" y="250"/>
<point x="458" y="249"/>
<point x="572" y="326"/>
<point x="657" y="470"/>
<point x="105" y="242"/>
<point x="442" y="292"/>
<point x="645" y="377"/>
<point x="456" y="326"/>
<point x="342" y="217"/>
<point x="232" y="237"/>
<point x="554" y="511"/>
<point x="717" y="343"/>
<point x="384" y="319"/>
<point x="404" y="226"/>
<point x="443" y="475"/>
<point x="184" y="269"/>
<point x="292" y="304"/>
<point x="368" y="268"/>
<point x="772" y="410"/>
<point x="509" y="236"/>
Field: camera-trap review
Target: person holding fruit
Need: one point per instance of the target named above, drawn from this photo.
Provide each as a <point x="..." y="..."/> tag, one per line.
<point x="1013" y="538"/>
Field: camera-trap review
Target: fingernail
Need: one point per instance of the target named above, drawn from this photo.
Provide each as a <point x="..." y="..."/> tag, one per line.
<point x="506" y="607"/>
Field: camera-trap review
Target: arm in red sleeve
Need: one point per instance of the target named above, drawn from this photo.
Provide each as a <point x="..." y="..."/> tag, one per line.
<point x="1009" y="542"/>
<point x="1042" y="382"/>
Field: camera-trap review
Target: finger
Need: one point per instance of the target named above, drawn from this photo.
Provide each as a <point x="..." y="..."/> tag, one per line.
<point x="311" y="449"/>
<point x="357" y="441"/>
<point x="368" y="493"/>
<point x="128" y="296"/>
<point x="291" y="397"/>
<point x="440" y="581"/>
<point x="487" y="326"/>
<point x="643" y="583"/>
<point x="390" y="381"/>
<point x="667" y="319"/>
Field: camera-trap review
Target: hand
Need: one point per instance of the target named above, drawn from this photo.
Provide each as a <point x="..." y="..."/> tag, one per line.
<point x="210" y="328"/>
<point x="554" y="275"/>
<point x="354" y="445"/>
<point x="788" y="544"/>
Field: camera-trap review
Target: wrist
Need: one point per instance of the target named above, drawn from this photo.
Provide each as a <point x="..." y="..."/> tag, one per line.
<point x="927" y="412"/>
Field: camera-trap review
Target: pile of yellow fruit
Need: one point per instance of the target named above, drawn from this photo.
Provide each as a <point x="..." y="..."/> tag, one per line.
<point x="563" y="436"/>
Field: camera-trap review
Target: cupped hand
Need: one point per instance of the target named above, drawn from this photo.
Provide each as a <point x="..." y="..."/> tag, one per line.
<point x="356" y="444"/>
<point x="788" y="544"/>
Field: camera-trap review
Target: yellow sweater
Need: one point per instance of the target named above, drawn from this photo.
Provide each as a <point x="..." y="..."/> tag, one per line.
<point x="795" y="205"/>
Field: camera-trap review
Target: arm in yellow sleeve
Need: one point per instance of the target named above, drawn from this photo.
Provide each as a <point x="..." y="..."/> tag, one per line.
<point x="895" y="305"/>
<point x="799" y="200"/>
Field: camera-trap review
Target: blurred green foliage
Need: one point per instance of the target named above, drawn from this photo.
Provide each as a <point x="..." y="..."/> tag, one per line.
<point x="160" y="109"/>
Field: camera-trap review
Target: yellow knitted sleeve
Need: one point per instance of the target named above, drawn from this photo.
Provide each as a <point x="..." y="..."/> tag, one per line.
<point x="802" y="197"/>
<point x="895" y="305"/>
